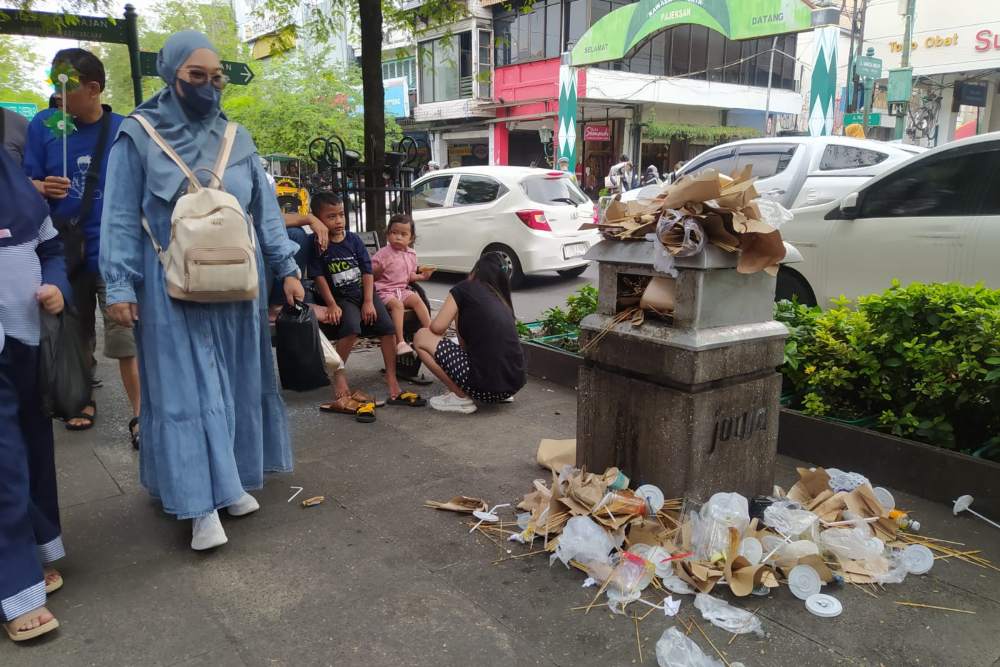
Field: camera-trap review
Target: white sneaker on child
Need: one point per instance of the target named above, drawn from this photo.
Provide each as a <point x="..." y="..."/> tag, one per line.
<point x="247" y="504"/>
<point x="207" y="532"/>
<point x="449" y="402"/>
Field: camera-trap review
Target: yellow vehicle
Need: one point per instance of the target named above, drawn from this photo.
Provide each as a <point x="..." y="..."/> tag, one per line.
<point x="287" y="174"/>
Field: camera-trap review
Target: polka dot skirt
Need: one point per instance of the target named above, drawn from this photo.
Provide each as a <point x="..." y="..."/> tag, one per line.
<point x="454" y="360"/>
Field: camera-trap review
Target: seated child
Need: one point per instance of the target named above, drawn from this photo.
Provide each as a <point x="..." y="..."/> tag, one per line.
<point x="344" y="281"/>
<point x="395" y="267"/>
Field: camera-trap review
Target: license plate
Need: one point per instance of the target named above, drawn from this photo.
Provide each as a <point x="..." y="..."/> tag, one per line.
<point x="574" y="250"/>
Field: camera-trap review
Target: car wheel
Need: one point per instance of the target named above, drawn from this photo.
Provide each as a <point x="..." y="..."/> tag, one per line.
<point x="574" y="272"/>
<point x="511" y="263"/>
<point x="793" y="285"/>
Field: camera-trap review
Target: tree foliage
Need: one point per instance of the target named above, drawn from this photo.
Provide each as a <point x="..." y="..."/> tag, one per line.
<point x="18" y="65"/>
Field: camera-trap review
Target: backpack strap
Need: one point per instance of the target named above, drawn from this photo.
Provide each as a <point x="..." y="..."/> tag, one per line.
<point x="228" y="139"/>
<point x="168" y="149"/>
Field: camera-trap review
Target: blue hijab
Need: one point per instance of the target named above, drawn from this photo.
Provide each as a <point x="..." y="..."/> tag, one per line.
<point x="196" y="140"/>
<point x="24" y="210"/>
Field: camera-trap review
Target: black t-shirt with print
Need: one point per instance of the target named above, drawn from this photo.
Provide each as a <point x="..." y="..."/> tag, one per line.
<point x="489" y="333"/>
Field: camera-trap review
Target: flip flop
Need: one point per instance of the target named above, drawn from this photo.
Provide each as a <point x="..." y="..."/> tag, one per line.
<point x="345" y="405"/>
<point x="408" y="398"/>
<point x="23" y="635"/>
<point x="90" y="419"/>
<point x="133" y="432"/>
<point x="362" y="397"/>
<point x="53" y="583"/>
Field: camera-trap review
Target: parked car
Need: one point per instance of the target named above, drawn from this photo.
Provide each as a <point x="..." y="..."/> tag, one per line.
<point x="531" y="216"/>
<point x="935" y="218"/>
<point x="803" y="171"/>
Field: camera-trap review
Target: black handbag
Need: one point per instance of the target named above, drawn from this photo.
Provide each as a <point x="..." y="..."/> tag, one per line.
<point x="64" y="373"/>
<point x="299" y="349"/>
<point x="70" y="228"/>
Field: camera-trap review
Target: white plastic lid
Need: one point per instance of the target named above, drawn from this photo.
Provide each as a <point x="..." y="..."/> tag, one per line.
<point x="652" y="495"/>
<point x="485" y="516"/>
<point x="884" y="498"/>
<point x="823" y="605"/>
<point x="803" y="581"/>
<point x="752" y="549"/>
<point x="918" y="559"/>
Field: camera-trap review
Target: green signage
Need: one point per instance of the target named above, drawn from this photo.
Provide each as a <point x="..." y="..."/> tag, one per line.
<point x="859" y="118"/>
<point x="624" y="29"/>
<point x="68" y="26"/>
<point x="26" y="109"/>
<point x="900" y="84"/>
<point x="868" y="67"/>
<point x="239" y="74"/>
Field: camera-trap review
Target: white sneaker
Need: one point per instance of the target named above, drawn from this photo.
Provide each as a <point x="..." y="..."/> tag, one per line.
<point x="449" y="402"/>
<point x="207" y="532"/>
<point x="247" y="504"/>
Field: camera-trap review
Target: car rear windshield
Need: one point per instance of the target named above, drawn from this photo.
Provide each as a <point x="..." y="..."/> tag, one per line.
<point x="558" y="190"/>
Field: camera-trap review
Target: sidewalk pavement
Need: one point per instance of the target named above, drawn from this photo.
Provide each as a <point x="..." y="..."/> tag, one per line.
<point x="372" y="578"/>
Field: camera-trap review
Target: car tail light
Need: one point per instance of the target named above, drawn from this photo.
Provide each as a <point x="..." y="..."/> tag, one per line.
<point x="555" y="174"/>
<point x="535" y="219"/>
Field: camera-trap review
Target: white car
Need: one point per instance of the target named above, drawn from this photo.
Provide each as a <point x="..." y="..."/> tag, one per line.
<point x="935" y="218"/>
<point x="530" y="216"/>
<point x="803" y="171"/>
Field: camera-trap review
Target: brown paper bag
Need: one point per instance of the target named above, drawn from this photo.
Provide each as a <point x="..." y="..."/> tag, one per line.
<point x="555" y="454"/>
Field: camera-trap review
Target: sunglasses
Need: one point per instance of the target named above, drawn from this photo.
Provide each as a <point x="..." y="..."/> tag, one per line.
<point x="199" y="77"/>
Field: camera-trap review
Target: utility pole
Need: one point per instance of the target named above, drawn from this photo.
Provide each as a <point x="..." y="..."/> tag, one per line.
<point x="869" y="94"/>
<point x="770" y="74"/>
<point x="911" y="8"/>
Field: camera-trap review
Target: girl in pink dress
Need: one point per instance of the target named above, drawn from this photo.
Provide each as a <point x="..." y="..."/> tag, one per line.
<point x="395" y="267"/>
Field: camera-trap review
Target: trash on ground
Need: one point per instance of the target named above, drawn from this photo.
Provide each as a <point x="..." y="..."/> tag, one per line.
<point x="458" y="504"/>
<point x="675" y="649"/>
<point x="964" y="504"/>
<point x="311" y="502"/>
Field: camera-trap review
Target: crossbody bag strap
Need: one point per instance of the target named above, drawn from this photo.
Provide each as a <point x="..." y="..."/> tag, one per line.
<point x="225" y="150"/>
<point x="168" y="149"/>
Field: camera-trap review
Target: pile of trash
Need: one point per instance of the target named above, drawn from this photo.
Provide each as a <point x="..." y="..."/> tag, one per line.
<point x="707" y="208"/>
<point x="830" y="528"/>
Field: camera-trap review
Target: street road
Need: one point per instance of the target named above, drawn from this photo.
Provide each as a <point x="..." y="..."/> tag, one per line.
<point x="539" y="292"/>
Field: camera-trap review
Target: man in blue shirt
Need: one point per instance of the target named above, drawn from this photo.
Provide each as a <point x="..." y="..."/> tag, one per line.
<point x="43" y="163"/>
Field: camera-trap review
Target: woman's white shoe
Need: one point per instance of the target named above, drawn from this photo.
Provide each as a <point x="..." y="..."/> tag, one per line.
<point x="449" y="402"/>
<point x="207" y="532"/>
<point x="247" y="504"/>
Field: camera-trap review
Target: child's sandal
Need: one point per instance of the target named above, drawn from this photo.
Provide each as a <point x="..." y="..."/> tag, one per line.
<point x="408" y="398"/>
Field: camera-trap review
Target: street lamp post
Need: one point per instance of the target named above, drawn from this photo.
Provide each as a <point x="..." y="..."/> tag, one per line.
<point x="911" y="8"/>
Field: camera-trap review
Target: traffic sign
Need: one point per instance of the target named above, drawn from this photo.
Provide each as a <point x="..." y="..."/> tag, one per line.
<point x="859" y="118"/>
<point x="868" y="67"/>
<point x="26" y="109"/>
<point x="67" y="26"/>
<point x="239" y="74"/>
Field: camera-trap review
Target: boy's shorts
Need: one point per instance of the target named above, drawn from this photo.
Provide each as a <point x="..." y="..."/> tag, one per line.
<point x="351" y="325"/>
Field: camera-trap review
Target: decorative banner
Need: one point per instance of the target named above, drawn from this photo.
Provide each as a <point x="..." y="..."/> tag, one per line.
<point x="624" y="29"/>
<point x="597" y="133"/>
<point x="823" y="87"/>
<point x="567" y="113"/>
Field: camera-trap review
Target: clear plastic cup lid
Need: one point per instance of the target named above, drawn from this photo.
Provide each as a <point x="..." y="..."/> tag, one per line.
<point x="803" y="581"/>
<point x="752" y="549"/>
<point x="918" y="559"/>
<point x="825" y="606"/>
<point x="884" y="498"/>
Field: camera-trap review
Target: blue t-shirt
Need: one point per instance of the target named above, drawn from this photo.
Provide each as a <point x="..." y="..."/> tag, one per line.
<point x="342" y="265"/>
<point x="43" y="157"/>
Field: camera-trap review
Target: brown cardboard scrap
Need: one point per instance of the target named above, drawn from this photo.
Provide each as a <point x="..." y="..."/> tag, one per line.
<point x="811" y="484"/>
<point x="862" y="502"/>
<point x="697" y="188"/>
<point x="556" y="454"/>
<point x="759" y="252"/>
<point x="465" y="504"/>
<point x="736" y="195"/>
<point x="699" y="575"/>
<point x="816" y="562"/>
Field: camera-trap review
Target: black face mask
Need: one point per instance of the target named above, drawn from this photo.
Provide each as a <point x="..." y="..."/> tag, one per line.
<point x="201" y="100"/>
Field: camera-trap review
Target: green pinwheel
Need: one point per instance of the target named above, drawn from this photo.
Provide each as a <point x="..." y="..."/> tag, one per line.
<point x="64" y="77"/>
<point x="60" y="124"/>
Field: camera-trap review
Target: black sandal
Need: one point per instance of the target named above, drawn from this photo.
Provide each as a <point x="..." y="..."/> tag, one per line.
<point x="90" y="419"/>
<point x="133" y="432"/>
<point x="408" y="398"/>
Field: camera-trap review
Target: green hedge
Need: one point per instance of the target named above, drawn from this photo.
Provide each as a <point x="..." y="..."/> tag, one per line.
<point x="924" y="360"/>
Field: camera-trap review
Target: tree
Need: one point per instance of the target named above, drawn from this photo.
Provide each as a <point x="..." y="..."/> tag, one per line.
<point x="18" y="63"/>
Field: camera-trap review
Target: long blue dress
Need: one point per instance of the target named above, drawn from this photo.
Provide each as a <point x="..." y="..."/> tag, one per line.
<point x="212" y="420"/>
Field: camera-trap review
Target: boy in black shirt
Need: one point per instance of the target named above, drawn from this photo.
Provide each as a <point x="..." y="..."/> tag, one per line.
<point x="344" y="280"/>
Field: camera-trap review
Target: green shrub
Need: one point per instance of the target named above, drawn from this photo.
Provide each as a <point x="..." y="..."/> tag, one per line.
<point x="558" y="321"/>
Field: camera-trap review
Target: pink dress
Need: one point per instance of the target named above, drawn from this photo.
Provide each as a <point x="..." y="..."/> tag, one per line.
<point x="398" y="266"/>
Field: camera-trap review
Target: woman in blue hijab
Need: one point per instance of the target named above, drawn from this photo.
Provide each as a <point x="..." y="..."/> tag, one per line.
<point x="215" y="422"/>
<point x="32" y="277"/>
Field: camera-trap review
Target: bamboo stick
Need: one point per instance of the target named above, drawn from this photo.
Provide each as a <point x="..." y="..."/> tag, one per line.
<point x="931" y="606"/>
<point x="710" y="643"/>
<point x="638" y="640"/>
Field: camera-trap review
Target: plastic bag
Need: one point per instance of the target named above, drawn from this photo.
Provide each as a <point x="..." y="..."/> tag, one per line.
<point x="897" y="570"/>
<point x="854" y="543"/>
<point x="64" y="373"/>
<point x="299" y="349"/>
<point x="724" y="615"/>
<point x="583" y="540"/>
<point x="788" y="518"/>
<point x="845" y="481"/>
<point x="675" y="649"/>
<point x="773" y="213"/>
<point x="710" y="532"/>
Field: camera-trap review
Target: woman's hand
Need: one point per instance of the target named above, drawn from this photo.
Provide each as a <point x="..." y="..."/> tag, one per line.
<point x="50" y="298"/>
<point x="125" y="314"/>
<point x="293" y="290"/>
<point x="320" y="231"/>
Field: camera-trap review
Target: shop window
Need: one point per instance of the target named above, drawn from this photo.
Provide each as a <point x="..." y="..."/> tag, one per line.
<point x="553" y="29"/>
<point x="732" y="61"/>
<point x="658" y="55"/>
<point x="445" y="68"/>
<point x="395" y="69"/>
<point x="716" y="55"/>
<point x="699" y="52"/>
<point x="680" y="51"/>
<point x="485" y="70"/>
<point x="474" y="190"/>
<point x="576" y="23"/>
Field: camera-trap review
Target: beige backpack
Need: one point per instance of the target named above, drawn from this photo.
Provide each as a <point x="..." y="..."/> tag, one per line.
<point x="211" y="256"/>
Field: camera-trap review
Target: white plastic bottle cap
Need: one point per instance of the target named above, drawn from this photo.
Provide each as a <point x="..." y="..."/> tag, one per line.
<point x="918" y="559"/>
<point x="884" y="498"/>
<point x="825" y="606"/>
<point x="803" y="581"/>
<point x="652" y="495"/>
<point x="752" y="549"/>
